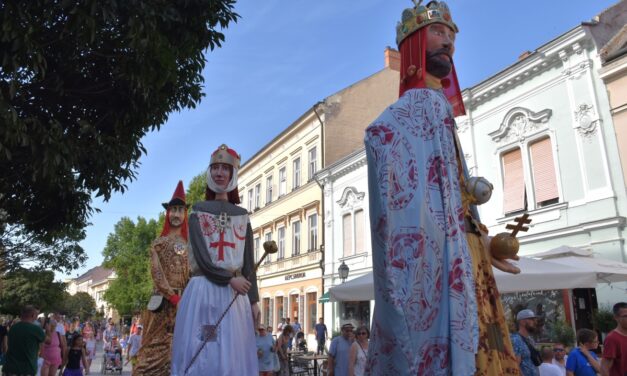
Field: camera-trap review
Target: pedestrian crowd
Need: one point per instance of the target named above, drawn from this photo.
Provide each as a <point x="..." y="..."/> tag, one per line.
<point x="51" y="345"/>
<point x="585" y="359"/>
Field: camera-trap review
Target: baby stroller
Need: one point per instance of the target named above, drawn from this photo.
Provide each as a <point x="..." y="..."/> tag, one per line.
<point x="112" y="362"/>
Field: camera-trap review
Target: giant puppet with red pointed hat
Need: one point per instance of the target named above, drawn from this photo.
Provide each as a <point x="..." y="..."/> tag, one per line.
<point x="427" y="248"/>
<point x="214" y="332"/>
<point x="169" y="268"/>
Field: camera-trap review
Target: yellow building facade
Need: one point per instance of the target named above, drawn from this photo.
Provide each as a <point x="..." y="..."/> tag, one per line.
<point x="277" y="188"/>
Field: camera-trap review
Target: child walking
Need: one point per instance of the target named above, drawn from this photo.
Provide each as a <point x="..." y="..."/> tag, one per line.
<point x="75" y="356"/>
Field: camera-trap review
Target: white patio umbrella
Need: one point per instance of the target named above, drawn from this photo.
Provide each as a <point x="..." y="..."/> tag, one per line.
<point x="534" y="275"/>
<point x="607" y="271"/>
<point x="543" y="275"/>
<point x="358" y="289"/>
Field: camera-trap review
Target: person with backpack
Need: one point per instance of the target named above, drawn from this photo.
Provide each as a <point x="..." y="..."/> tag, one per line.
<point x="524" y="347"/>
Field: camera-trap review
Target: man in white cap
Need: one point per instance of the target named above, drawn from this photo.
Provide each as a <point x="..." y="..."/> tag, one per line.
<point x="524" y="347"/>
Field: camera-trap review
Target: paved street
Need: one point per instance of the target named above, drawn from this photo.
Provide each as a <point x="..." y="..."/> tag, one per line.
<point x="96" y="365"/>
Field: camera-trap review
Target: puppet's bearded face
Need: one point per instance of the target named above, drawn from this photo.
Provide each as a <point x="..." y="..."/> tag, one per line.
<point x="440" y="48"/>
<point x="176" y="215"/>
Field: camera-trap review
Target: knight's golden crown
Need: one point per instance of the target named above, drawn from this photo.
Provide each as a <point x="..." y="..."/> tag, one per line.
<point x="226" y="155"/>
<point x="422" y="15"/>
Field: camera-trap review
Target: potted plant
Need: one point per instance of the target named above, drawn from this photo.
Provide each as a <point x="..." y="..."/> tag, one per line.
<point x="563" y="333"/>
<point x="603" y="320"/>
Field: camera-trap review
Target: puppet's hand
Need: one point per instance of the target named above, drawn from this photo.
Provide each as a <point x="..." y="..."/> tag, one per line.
<point x="240" y="284"/>
<point x="505" y="266"/>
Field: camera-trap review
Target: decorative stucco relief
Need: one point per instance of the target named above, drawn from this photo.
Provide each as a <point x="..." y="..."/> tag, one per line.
<point x="518" y="123"/>
<point x="351" y="198"/>
<point x="586" y="120"/>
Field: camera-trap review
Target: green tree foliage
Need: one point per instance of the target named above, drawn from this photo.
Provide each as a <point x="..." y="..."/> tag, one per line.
<point x="128" y="253"/>
<point x="22" y="286"/>
<point x="80" y="305"/>
<point x="20" y="248"/>
<point x="81" y="82"/>
<point x="196" y="189"/>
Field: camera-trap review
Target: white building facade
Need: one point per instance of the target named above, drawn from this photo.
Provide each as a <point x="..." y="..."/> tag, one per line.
<point x="541" y="132"/>
<point x="347" y="235"/>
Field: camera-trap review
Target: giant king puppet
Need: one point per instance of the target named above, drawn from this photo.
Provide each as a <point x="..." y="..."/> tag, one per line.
<point x="437" y="309"/>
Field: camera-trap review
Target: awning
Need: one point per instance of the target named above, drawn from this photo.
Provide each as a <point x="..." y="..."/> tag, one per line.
<point x="324" y="298"/>
<point x="535" y="275"/>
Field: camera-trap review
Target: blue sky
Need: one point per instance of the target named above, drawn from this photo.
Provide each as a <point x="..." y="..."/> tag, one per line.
<point x="282" y="57"/>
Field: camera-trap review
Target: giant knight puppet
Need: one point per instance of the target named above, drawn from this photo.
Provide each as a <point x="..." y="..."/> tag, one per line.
<point x="214" y="332"/>
<point x="437" y="309"/>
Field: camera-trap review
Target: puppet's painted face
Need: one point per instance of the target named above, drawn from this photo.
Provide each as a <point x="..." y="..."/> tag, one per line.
<point x="221" y="174"/>
<point x="440" y="49"/>
<point x="177" y="215"/>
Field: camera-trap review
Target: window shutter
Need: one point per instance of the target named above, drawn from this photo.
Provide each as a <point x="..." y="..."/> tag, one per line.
<point x="543" y="167"/>
<point x="513" y="182"/>
<point x="359" y="231"/>
<point x="348" y="235"/>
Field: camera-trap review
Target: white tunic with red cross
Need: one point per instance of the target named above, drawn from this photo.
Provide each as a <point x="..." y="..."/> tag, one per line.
<point x="225" y="237"/>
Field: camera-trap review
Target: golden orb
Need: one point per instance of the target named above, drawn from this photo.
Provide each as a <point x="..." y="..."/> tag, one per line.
<point x="504" y="246"/>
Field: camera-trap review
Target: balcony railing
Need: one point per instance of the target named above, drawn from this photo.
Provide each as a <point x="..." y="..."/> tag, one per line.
<point x="304" y="259"/>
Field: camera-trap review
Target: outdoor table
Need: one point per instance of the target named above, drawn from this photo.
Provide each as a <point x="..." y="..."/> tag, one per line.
<point x="315" y="361"/>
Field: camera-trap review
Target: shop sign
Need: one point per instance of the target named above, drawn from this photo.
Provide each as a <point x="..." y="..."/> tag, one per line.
<point x="289" y="277"/>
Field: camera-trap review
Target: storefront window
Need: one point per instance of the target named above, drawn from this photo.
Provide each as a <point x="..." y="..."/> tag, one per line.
<point x="293" y="308"/>
<point x="266" y="311"/>
<point x="280" y="314"/>
<point x="312" y="311"/>
<point x="356" y="313"/>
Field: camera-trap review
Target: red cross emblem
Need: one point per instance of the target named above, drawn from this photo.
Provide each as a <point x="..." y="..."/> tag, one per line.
<point x="221" y="244"/>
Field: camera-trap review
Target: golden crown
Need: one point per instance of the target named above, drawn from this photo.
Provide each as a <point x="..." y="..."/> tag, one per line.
<point x="422" y="15"/>
<point x="226" y="155"/>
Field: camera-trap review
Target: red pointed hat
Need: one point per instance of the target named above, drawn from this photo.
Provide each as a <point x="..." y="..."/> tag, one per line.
<point x="178" y="198"/>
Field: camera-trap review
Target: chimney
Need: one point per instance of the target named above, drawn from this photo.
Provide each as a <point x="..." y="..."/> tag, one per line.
<point x="524" y="55"/>
<point x="392" y="59"/>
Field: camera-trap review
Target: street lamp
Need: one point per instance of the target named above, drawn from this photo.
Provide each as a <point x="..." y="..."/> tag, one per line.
<point x="343" y="271"/>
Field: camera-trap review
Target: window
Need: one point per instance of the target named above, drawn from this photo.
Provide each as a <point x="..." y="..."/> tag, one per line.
<point x="282" y="182"/>
<point x="258" y="196"/>
<point x="347" y="231"/>
<point x="268" y="189"/>
<point x="296" y="174"/>
<point x="312" y="311"/>
<point x="312" y="163"/>
<point x="313" y="232"/>
<point x="513" y="182"/>
<point x="529" y="179"/>
<point x="359" y="231"/>
<point x="250" y="200"/>
<point x="353" y="232"/>
<point x="543" y="170"/>
<point x="268" y="237"/>
<point x="295" y="238"/>
<point x="281" y="245"/>
<point x="256" y="242"/>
